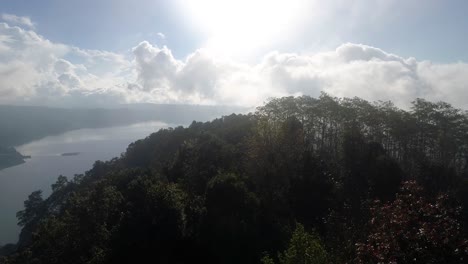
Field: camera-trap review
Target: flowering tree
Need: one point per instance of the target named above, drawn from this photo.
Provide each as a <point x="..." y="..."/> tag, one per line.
<point x="413" y="229"/>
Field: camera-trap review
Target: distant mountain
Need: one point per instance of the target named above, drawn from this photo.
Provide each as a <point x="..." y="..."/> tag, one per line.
<point x="22" y="124"/>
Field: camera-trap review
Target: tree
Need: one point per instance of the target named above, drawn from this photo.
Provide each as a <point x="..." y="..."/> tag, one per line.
<point x="29" y="218"/>
<point x="231" y="224"/>
<point x="227" y="190"/>
<point x="303" y="248"/>
<point x="413" y="229"/>
<point x="33" y="208"/>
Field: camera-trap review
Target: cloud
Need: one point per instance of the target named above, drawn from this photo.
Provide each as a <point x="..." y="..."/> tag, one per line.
<point x="200" y="78"/>
<point x="34" y="70"/>
<point x="18" y="20"/>
<point x="161" y="35"/>
<point x="350" y="70"/>
<point x="37" y="71"/>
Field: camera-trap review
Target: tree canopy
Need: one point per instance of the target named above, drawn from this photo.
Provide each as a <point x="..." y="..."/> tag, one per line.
<point x="301" y="180"/>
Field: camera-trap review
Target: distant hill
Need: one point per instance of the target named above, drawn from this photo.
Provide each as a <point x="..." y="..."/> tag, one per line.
<point x="10" y="157"/>
<point x="22" y="124"/>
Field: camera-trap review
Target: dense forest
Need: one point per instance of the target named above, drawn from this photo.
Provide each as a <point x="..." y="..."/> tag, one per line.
<point x="301" y="180"/>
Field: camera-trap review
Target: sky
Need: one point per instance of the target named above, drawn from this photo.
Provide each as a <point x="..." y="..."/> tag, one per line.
<point x="107" y="52"/>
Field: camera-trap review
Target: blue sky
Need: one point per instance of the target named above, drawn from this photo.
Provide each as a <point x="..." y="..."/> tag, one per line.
<point x="428" y="30"/>
<point x="236" y="52"/>
<point x="114" y="25"/>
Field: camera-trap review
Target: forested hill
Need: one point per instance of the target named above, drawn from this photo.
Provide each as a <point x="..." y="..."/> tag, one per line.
<point x="22" y="124"/>
<point x="301" y="180"/>
<point x="10" y="157"/>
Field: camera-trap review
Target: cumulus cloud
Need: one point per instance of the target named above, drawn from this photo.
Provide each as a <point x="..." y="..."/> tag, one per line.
<point x="17" y="20"/>
<point x="350" y="70"/>
<point x="370" y="73"/>
<point x="35" y="70"/>
<point x="199" y="78"/>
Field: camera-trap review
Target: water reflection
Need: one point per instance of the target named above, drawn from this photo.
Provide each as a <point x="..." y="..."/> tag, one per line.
<point x="46" y="163"/>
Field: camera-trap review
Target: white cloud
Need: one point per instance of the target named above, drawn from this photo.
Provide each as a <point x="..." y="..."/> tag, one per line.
<point x="200" y="78"/>
<point x="350" y="70"/>
<point x="161" y="35"/>
<point x="17" y="20"/>
<point x="35" y="70"/>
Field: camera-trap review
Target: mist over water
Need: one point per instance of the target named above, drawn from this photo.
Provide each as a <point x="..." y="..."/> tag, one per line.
<point x="47" y="163"/>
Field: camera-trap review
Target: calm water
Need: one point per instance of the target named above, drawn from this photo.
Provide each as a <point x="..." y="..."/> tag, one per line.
<point x="46" y="163"/>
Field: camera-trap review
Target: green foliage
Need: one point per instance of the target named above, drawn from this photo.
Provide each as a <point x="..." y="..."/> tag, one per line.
<point x="304" y="248"/>
<point x="231" y="219"/>
<point x="228" y="190"/>
<point x="266" y="259"/>
<point x="33" y="208"/>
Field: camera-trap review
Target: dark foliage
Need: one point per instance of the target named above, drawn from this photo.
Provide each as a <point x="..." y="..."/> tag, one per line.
<point x="414" y="229"/>
<point x="235" y="189"/>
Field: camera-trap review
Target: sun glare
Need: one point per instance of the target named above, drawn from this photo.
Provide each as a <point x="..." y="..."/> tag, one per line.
<point x="240" y="27"/>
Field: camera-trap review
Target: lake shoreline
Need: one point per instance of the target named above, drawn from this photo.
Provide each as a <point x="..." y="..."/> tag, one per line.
<point x="47" y="163"/>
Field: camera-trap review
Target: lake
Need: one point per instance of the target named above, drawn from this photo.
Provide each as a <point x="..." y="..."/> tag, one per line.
<point x="84" y="147"/>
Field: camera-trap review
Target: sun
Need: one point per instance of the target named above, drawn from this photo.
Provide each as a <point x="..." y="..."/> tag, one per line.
<point x="241" y="27"/>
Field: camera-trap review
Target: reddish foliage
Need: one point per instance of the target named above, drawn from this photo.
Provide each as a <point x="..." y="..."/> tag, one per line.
<point x="413" y="229"/>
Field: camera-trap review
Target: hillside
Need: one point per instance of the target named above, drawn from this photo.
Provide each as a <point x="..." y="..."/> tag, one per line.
<point x="301" y="180"/>
<point x="10" y="157"/>
<point x="23" y="124"/>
